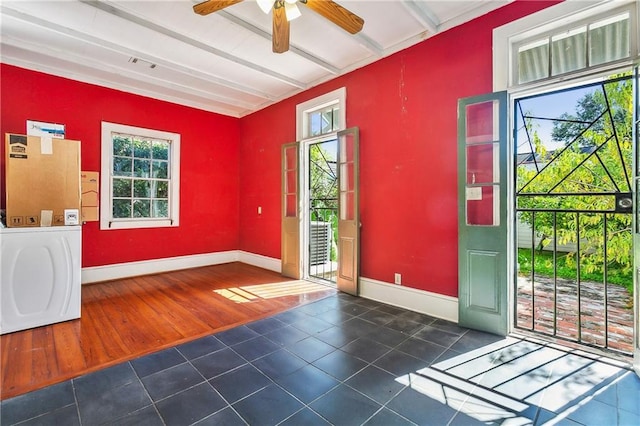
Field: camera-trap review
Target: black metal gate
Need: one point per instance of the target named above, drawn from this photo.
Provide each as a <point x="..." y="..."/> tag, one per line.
<point x="323" y="213"/>
<point x="574" y="214"/>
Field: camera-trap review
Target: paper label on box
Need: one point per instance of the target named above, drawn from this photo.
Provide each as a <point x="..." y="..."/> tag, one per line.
<point x="46" y="217"/>
<point x="46" y="145"/>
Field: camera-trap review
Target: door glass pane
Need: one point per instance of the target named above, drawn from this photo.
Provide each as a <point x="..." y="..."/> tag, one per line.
<point x="346" y="177"/>
<point x="290" y="208"/>
<point x="482" y="164"/>
<point x="569" y="51"/>
<point x="347" y="205"/>
<point x="291" y="186"/>
<point x="346" y="149"/>
<point x="291" y="156"/>
<point x="481" y="122"/>
<point x="290" y="181"/>
<point x="482" y="205"/>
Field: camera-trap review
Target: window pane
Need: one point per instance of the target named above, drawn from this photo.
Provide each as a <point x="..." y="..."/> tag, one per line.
<point x="121" y="208"/>
<point x="327" y="121"/>
<point x="161" y="150"/>
<point x="141" y="208"/>
<point x="609" y="40"/>
<point x="141" y="168"/>
<point x="533" y="61"/>
<point x="315" y="124"/>
<point x="141" y="148"/>
<point x="122" y="166"/>
<point x="141" y="188"/>
<point x="160" y="189"/>
<point x="160" y="208"/>
<point x="569" y="51"/>
<point x="160" y="169"/>
<point x="336" y="119"/>
<point x="122" y="187"/>
<point x="122" y="145"/>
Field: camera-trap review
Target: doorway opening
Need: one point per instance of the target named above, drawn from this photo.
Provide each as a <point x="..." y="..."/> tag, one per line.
<point x="574" y="214"/>
<point x="321" y="217"/>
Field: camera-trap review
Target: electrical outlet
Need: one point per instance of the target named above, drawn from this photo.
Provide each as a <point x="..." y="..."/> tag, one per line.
<point x="398" y="278"/>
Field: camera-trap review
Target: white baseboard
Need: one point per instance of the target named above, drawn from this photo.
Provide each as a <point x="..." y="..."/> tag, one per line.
<point x="425" y="302"/>
<point x="260" y="261"/>
<point x="131" y="269"/>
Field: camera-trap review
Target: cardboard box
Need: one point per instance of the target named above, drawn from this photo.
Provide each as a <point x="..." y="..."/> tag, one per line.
<point x="90" y="196"/>
<point x="43" y="181"/>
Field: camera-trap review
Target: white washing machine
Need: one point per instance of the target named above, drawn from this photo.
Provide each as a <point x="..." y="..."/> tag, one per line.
<point x="40" y="276"/>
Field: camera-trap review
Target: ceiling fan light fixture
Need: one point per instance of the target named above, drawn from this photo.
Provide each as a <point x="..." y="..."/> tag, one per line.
<point x="291" y="10"/>
<point x="265" y="5"/>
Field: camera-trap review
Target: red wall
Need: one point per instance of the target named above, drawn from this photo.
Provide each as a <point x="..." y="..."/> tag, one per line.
<point x="405" y="106"/>
<point x="209" y="202"/>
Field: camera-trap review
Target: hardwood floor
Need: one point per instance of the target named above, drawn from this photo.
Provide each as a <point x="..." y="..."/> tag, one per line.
<point x="127" y="318"/>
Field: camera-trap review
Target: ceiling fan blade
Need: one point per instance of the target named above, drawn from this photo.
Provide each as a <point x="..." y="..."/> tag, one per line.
<point x="280" y="36"/>
<point x="210" y="6"/>
<point x="337" y="14"/>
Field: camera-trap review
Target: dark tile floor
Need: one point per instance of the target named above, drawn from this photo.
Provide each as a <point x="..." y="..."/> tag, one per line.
<point x="344" y="361"/>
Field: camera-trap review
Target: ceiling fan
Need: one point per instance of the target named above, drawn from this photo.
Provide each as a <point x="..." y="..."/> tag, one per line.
<point x="287" y="10"/>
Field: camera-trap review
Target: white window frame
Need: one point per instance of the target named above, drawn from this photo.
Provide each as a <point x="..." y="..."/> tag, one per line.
<point x="505" y="41"/>
<point x="107" y="222"/>
<point x="561" y="16"/>
<point x="304" y="109"/>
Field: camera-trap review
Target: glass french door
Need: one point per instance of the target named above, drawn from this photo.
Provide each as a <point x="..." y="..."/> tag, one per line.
<point x="348" y="240"/>
<point x="482" y="213"/>
<point x="290" y="241"/>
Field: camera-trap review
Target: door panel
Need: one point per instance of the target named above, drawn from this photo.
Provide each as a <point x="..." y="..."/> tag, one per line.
<point x="482" y="257"/>
<point x="348" y="217"/>
<point x="636" y="228"/>
<point x="290" y="252"/>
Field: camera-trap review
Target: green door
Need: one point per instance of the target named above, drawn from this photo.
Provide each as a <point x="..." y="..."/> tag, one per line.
<point x="482" y="213"/>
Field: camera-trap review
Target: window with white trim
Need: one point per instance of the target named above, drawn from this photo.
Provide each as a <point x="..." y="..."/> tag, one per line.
<point x="322" y="115"/>
<point x="582" y="46"/>
<point x="572" y="39"/>
<point x="140" y="177"/>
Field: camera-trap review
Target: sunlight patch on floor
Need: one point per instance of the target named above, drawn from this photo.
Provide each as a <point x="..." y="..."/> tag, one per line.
<point x="249" y="293"/>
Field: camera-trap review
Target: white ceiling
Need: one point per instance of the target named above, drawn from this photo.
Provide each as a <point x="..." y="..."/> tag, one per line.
<point x="221" y="62"/>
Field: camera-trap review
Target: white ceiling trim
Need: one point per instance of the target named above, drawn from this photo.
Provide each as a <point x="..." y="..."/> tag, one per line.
<point x="222" y="64"/>
<point x="61" y="68"/>
<point x="423" y="14"/>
